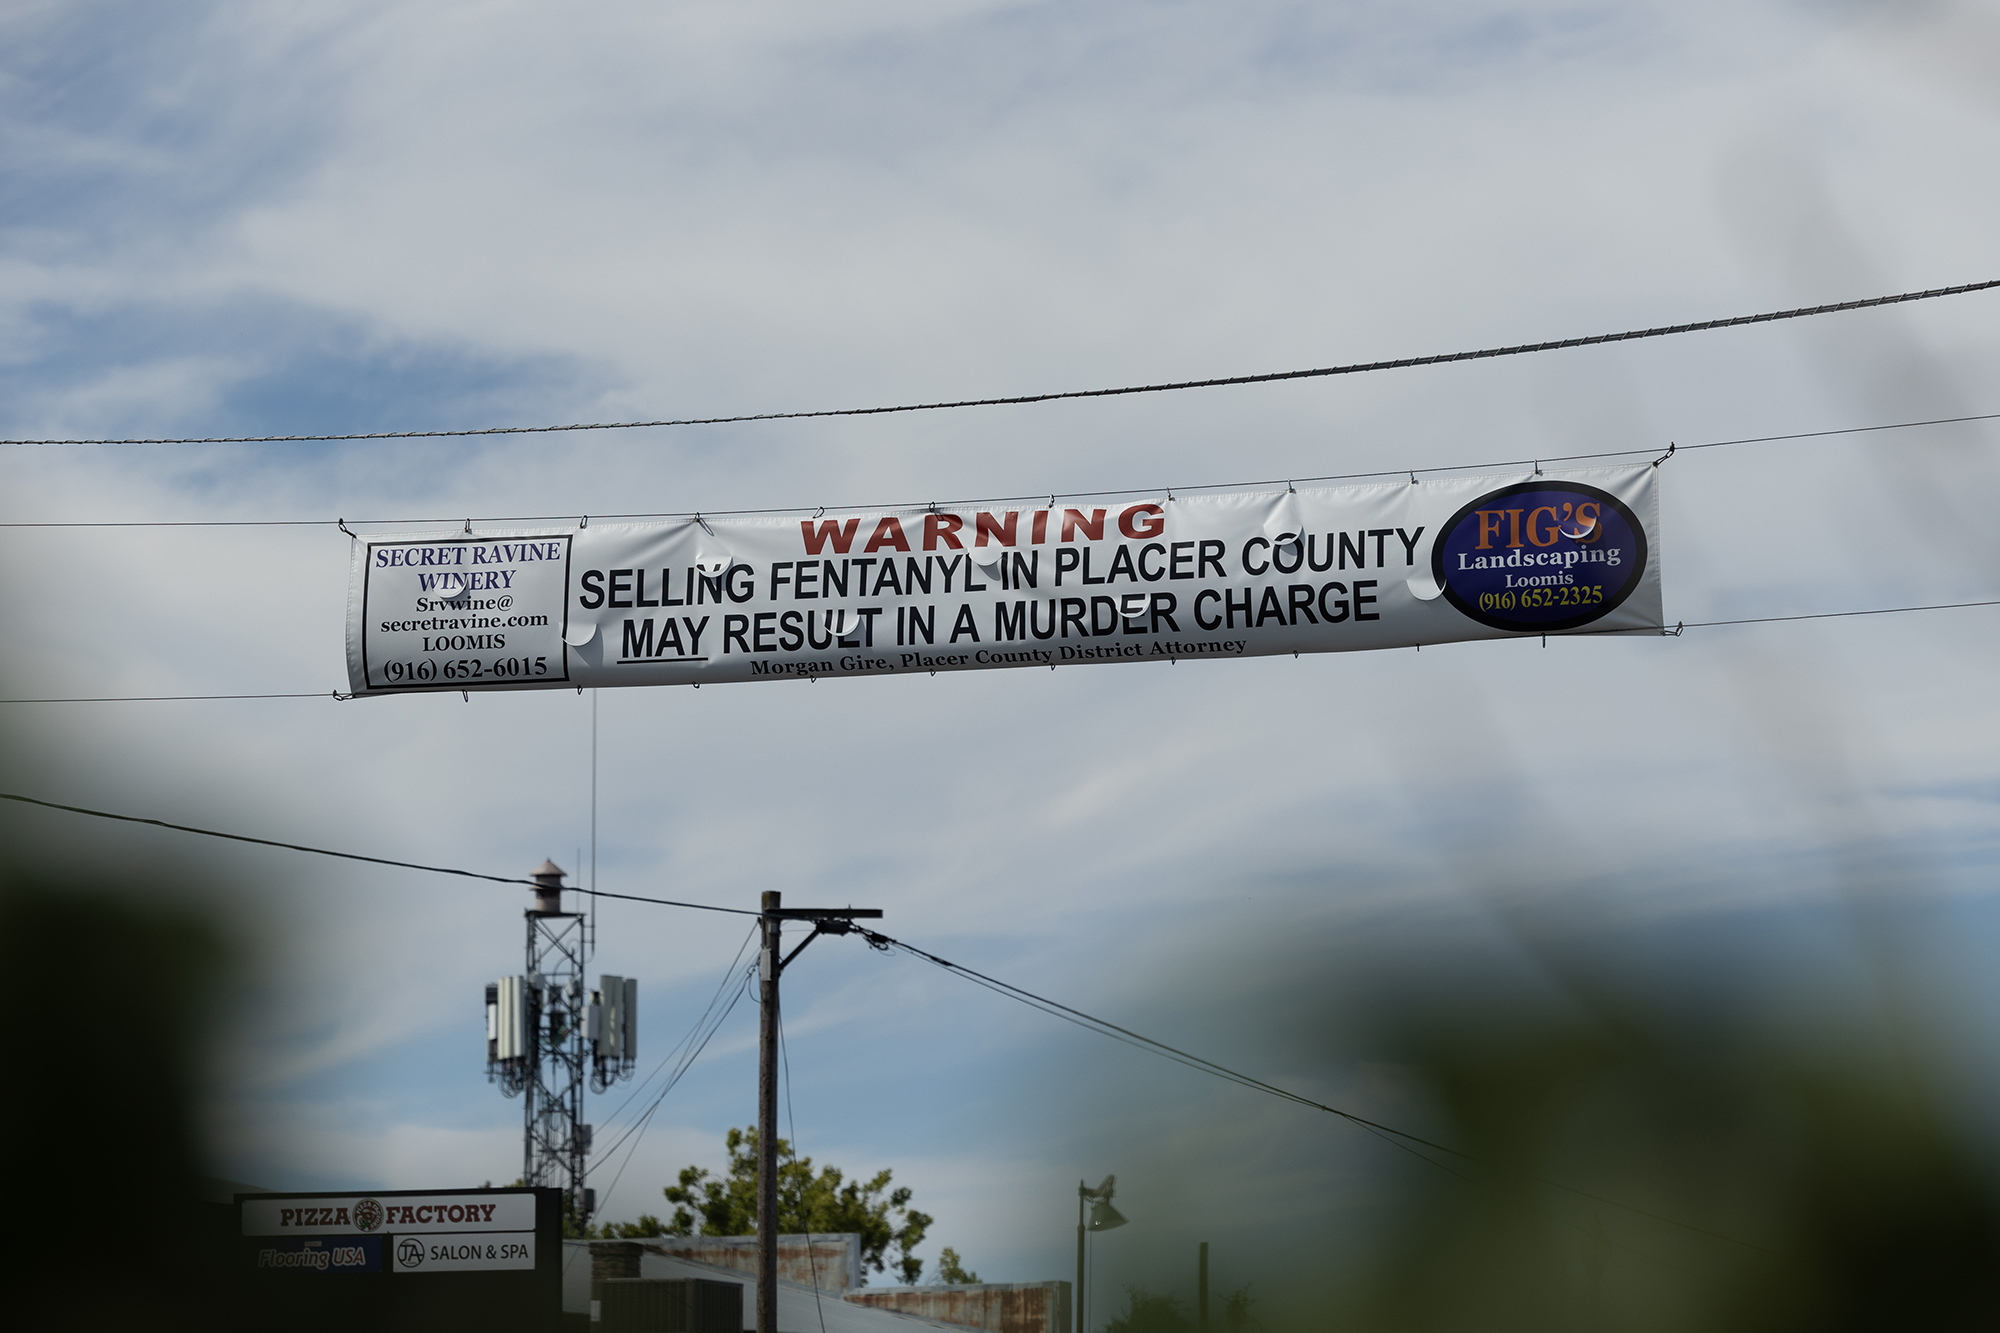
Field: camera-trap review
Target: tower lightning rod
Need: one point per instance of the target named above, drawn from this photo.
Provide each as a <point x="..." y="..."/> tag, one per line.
<point x="770" y="965"/>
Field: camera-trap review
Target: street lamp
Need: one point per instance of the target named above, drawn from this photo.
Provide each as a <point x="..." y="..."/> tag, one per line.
<point x="1102" y="1217"/>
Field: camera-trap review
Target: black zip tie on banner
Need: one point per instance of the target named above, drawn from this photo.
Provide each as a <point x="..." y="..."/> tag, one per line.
<point x="1671" y="446"/>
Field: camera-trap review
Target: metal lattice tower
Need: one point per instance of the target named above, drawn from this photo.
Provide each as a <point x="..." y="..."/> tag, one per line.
<point x="546" y="1037"/>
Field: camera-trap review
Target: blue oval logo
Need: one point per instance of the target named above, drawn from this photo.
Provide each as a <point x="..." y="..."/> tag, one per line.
<point x="1540" y="556"/>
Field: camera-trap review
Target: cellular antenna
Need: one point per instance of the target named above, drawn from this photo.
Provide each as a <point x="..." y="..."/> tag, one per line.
<point x="546" y="1038"/>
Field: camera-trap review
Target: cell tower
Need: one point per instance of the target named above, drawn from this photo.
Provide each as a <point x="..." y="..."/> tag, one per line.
<point x="545" y="1038"/>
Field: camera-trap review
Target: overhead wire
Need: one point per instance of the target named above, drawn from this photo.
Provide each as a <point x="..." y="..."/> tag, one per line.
<point x="356" y="856"/>
<point x="1012" y="400"/>
<point x="709" y="1008"/>
<point x="1048" y="497"/>
<point x="636" y="1132"/>
<point x="1106" y="1028"/>
<point x="337" y="695"/>
<point x="805" y="1219"/>
<point x="878" y="940"/>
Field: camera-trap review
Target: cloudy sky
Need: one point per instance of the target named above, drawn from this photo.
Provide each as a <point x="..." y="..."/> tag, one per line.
<point x="228" y="220"/>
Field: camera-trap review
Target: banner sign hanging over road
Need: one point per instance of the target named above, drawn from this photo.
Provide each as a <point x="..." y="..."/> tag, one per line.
<point x="1240" y="574"/>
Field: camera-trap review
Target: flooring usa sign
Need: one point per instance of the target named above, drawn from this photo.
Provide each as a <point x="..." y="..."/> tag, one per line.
<point x="1242" y="574"/>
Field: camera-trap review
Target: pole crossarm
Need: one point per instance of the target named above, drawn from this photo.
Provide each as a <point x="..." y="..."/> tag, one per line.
<point x="826" y="921"/>
<point x="824" y="914"/>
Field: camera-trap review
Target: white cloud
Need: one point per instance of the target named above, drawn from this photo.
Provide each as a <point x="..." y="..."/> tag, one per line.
<point x="459" y="214"/>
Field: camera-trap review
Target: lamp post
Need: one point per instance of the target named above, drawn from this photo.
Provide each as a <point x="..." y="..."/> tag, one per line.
<point x="1103" y="1217"/>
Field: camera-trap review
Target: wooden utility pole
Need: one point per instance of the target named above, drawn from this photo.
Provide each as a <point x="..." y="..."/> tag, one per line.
<point x="768" y="967"/>
<point x="1201" y="1287"/>
<point x="771" y="963"/>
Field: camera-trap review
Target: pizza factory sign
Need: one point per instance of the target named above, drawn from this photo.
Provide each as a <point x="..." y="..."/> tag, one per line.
<point x="441" y="1233"/>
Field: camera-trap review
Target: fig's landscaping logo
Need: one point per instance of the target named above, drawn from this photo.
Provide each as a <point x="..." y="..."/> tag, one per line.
<point x="1540" y="556"/>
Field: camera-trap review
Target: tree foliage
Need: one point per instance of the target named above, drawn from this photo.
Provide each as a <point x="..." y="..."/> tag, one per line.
<point x="647" y="1226"/>
<point x="825" y="1201"/>
<point x="1238" y="1311"/>
<point x="1147" y="1313"/>
<point x="952" y="1270"/>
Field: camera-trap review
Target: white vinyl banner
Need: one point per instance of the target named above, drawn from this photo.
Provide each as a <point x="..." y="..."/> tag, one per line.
<point x="1239" y="574"/>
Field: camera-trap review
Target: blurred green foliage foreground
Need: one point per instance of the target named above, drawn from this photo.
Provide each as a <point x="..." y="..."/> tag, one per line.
<point x="110" y="1044"/>
<point x="1646" y="1172"/>
<point x="1623" y="1167"/>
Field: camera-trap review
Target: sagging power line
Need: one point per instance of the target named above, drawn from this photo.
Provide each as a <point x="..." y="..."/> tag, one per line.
<point x="354" y="856"/>
<point x="1014" y="400"/>
<point x="1105" y="1028"/>
<point x="842" y="921"/>
<point x="1039" y="497"/>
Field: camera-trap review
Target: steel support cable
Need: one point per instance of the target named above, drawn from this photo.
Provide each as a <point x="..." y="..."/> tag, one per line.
<point x="639" y="1123"/>
<point x="692" y="1032"/>
<point x="1041" y="496"/>
<point x="785" y="1062"/>
<point x="1669" y="631"/>
<point x="356" y="856"/>
<point x="336" y="695"/>
<point x="1091" y="1023"/>
<point x="638" y="1127"/>
<point x="646" y="1119"/>
<point x="1267" y="377"/>
<point x="1106" y="1028"/>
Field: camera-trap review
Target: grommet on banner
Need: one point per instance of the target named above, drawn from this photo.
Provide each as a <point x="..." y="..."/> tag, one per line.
<point x="1538" y="467"/>
<point x="1665" y="456"/>
<point x="341" y="523"/>
<point x="1289" y="490"/>
<point x="1413" y="479"/>
<point x="1052" y="500"/>
<point x="697" y="684"/>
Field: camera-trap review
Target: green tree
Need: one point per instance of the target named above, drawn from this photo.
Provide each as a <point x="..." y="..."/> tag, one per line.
<point x="647" y="1225"/>
<point x="952" y="1270"/>
<point x="825" y="1201"/>
<point x="1238" y="1316"/>
<point x="1147" y="1313"/>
